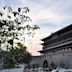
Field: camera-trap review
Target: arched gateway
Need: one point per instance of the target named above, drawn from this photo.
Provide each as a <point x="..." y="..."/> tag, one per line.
<point x="45" y="64"/>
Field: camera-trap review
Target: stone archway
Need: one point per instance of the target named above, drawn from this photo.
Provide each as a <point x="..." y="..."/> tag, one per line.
<point x="45" y="64"/>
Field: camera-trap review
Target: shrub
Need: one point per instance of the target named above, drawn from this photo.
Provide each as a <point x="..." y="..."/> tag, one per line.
<point x="9" y="63"/>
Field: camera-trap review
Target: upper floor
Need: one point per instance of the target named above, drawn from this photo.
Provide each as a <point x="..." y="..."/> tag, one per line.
<point x="61" y="37"/>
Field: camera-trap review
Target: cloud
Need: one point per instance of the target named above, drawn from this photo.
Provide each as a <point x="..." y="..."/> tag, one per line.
<point x="2" y="3"/>
<point x="48" y="16"/>
<point x="52" y="11"/>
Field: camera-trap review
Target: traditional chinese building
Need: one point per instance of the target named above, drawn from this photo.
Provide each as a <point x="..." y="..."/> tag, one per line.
<point x="57" y="49"/>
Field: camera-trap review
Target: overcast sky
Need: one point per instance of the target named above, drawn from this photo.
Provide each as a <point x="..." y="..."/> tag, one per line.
<point x="50" y="15"/>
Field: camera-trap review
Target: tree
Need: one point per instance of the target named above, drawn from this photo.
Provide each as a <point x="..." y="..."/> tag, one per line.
<point x="14" y="25"/>
<point x="15" y="56"/>
<point x="21" y="54"/>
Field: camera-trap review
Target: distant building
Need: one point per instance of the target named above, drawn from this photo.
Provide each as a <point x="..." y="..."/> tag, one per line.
<point x="57" y="49"/>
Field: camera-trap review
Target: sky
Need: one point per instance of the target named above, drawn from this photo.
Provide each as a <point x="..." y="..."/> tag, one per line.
<point x="49" y="15"/>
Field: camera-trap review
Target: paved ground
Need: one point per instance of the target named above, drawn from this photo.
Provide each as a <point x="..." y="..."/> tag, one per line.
<point x="35" y="70"/>
<point x="21" y="69"/>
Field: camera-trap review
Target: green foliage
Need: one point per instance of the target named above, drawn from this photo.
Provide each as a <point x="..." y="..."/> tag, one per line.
<point x="9" y="63"/>
<point x="15" y="56"/>
<point x="33" y="66"/>
<point x="15" y="25"/>
<point x="8" y="60"/>
<point x="21" y="54"/>
<point x="27" y="57"/>
<point x="10" y="41"/>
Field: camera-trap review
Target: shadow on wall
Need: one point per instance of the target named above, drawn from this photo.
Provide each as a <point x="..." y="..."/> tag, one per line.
<point x="45" y="64"/>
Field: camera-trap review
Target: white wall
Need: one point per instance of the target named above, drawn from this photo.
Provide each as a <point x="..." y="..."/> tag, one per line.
<point x="57" y="58"/>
